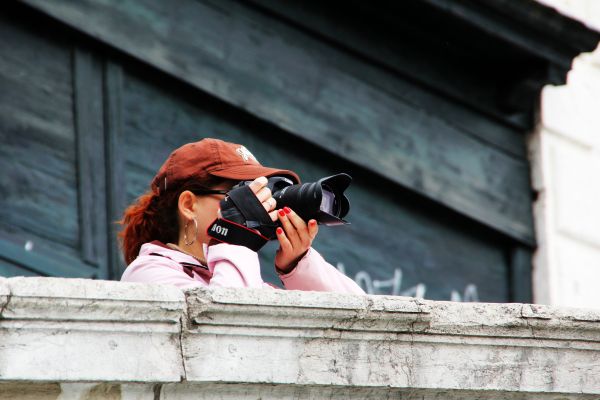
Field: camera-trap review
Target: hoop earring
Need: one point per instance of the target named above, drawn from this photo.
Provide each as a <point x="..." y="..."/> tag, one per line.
<point x="185" y="237"/>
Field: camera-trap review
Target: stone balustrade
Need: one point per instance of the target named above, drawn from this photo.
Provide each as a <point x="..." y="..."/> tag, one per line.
<point x="85" y="339"/>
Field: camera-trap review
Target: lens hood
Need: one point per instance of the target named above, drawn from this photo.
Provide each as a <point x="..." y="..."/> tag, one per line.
<point x="323" y="200"/>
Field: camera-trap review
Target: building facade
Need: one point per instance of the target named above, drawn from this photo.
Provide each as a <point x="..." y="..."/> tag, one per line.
<point x="408" y="98"/>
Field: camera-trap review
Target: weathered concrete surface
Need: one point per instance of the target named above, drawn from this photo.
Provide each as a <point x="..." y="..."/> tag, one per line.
<point x="276" y="392"/>
<point x="81" y="339"/>
<point x="390" y="342"/>
<point x="63" y="330"/>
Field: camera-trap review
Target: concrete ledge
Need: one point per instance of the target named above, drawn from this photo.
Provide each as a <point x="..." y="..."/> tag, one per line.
<point x="155" y="341"/>
<point x="66" y="330"/>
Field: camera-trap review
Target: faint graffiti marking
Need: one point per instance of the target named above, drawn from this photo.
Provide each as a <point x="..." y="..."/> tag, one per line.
<point x="470" y="294"/>
<point x="393" y="286"/>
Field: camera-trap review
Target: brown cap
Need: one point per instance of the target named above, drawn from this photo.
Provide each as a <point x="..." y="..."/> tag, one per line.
<point x="214" y="157"/>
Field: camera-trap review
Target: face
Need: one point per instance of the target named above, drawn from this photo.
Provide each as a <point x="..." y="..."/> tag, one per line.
<point x="204" y="209"/>
<point x="206" y="212"/>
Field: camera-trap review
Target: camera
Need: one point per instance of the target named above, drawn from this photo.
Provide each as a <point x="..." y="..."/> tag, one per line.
<point x="243" y="219"/>
<point x="323" y="200"/>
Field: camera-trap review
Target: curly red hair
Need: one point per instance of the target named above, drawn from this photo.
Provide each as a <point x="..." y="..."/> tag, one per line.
<point x="154" y="217"/>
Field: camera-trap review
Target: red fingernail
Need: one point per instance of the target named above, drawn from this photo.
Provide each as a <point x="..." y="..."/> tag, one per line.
<point x="279" y="231"/>
<point x="312" y="222"/>
<point x="287" y="210"/>
<point x="281" y="213"/>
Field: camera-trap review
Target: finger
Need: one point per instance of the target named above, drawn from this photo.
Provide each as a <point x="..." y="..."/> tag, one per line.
<point x="300" y="225"/>
<point x="263" y="194"/>
<point x="284" y="242"/>
<point x="295" y="219"/>
<point x="270" y="205"/>
<point x="289" y="229"/>
<point x="258" y="183"/>
<point x="273" y="215"/>
<point x="313" y="229"/>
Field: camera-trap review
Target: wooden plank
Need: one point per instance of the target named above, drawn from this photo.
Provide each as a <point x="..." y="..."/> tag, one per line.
<point x="37" y="156"/>
<point x="91" y="183"/>
<point x="46" y="263"/>
<point x="521" y="284"/>
<point x="116" y="201"/>
<point x="8" y="269"/>
<point x="532" y="26"/>
<point x="404" y="41"/>
<point x="40" y="156"/>
<point x="317" y="92"/>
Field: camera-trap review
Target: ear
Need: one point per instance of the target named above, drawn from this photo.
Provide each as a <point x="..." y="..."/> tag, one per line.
<point x="187" y="204"/>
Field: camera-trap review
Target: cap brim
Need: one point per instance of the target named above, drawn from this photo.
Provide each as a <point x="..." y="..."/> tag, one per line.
<point x="251" y="172"/>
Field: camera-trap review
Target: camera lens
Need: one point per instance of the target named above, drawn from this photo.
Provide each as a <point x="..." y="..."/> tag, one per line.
<point x="323" y="200"/>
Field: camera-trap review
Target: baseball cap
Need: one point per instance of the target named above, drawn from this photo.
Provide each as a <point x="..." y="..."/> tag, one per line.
<point x="213" y="157"/>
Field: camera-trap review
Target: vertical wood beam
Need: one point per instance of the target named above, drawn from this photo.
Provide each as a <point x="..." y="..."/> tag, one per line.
<point x="115" y="171"/>
<point x="520" y="274"/>
<point x="88" y="120"/>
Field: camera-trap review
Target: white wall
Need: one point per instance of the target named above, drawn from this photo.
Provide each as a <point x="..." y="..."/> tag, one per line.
<point x="565" y="152"/>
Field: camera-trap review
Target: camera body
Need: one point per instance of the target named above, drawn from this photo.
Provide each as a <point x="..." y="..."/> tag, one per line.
<point x="323" y="200"/>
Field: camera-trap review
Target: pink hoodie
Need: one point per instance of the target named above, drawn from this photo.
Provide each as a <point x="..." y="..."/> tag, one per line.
<point x="231" y="266"/>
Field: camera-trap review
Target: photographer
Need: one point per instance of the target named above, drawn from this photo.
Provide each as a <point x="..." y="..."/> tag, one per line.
<point x="176" y="233"/>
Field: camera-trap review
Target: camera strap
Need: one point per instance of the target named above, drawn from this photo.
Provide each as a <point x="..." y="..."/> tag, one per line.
<point x="229" y="232"/>
<point x="242" y="216"/>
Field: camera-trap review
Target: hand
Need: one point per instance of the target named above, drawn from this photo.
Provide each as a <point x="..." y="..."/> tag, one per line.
<point x="294" y="239"/>
<point x="230" y="218"/>
<point x="263" y="193"/>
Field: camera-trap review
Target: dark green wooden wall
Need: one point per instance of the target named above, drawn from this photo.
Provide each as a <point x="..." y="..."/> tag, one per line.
<point x="40" y="206"/>
<point x="95" y="95"/>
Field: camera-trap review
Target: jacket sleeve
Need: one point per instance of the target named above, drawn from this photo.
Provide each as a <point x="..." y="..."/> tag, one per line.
<point x="155" y="269"/>
<point x="233" y="266"/>
<point x="230" y="265"/>
<point x="314" y="273"/>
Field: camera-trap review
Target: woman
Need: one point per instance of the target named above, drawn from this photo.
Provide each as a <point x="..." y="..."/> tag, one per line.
<point x="165" y="238"/>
